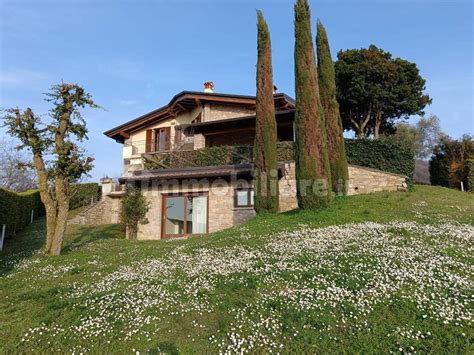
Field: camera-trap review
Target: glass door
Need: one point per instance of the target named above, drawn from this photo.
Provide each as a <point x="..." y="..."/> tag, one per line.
<point x="184" y="214"/>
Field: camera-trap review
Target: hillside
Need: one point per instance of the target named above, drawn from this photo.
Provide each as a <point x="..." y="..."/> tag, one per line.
<point x="374" y="273"/>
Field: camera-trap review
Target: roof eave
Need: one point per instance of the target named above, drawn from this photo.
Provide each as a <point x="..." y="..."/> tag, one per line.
<point x="116" y="132"/>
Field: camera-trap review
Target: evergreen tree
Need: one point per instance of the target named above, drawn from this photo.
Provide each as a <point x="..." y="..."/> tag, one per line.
<point x="265" y="151"/>
<point x="311" y="155"/>
<point x="327" y="94"/>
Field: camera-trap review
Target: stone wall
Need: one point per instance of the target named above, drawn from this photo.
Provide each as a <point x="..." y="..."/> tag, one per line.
<point x="366" y="180"/>
<point x="105" y="211"/>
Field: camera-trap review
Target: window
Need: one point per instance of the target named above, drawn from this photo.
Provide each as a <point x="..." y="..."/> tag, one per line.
<point x="157" y="139"/>
<point x="162" y="139"/>
<point x="184" y="214"/>
<point x="243" y="197"/>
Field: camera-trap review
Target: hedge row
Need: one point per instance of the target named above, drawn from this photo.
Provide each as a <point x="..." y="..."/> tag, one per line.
<point x="364" y="152"/>
<point x="82" y="194"/>
<point x="15" y="209"/>
<point x="381" y="155"/>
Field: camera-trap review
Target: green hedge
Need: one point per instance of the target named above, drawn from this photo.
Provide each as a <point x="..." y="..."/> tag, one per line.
<point x="470" y="174"/>
<point x="381" y="155"/>
<point x="15" y="209"/>
<point x="364" y="152"/>
<point x="82" y="194"/>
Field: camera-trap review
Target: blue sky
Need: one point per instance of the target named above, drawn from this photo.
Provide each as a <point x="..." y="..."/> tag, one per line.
<point x="133" y="56"/>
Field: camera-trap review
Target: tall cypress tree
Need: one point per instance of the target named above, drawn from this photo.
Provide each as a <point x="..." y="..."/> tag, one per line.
<point x="311" y="155"/>
<point x="327" y="94"/>
<point x="265" y="151"/>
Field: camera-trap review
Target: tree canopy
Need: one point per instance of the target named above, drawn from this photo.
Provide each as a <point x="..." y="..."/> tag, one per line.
<point x="448" y="165"/>
<point x="265" y="148"/>
<point x="327" y="93"/>
<point x="374" y="90"/>
<point x="312" y="163"/>
<point x="421" y="138"/>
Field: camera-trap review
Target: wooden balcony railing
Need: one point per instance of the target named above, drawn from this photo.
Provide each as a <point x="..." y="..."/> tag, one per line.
<point x="212" y="156"/>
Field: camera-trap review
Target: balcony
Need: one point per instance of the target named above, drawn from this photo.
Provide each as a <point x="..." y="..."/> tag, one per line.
<point x="211" y="156"/>
<point x="135" y="149"/>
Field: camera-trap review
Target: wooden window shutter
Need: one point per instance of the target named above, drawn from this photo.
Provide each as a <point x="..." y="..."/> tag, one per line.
<point x="168" y="137"/>
<point x="149" y="140"/>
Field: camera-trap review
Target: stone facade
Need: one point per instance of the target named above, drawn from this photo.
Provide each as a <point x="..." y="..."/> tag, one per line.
<point x="221" y="112"/>
<point x="287" y="188"/>
<point x="199" y="141"/>
<point x="222" y="212"/>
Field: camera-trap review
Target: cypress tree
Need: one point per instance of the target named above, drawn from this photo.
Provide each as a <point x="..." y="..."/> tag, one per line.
<point x="265" y="151"/>
<point x="327" y="94"/>
<point x="311" y="155"/>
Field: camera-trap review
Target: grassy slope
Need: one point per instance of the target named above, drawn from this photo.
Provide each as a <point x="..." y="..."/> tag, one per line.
<point x="51" y="295"/>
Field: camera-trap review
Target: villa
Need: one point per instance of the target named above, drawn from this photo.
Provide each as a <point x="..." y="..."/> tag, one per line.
<point x="192" y="160"/>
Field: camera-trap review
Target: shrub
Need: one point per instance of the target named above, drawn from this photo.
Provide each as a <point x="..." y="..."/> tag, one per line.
<point x="82" y="194"/>
<point x="448" y="163"/>
<point x="15" y="209"/>
<point x="381" y="155"/>
<point x="133" y="211"/>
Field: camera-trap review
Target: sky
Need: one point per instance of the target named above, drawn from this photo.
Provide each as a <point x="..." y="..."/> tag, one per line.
<point x="133" y="56"/>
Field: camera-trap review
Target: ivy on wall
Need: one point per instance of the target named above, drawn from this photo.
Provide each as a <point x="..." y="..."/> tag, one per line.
<point x="381" y="155"/>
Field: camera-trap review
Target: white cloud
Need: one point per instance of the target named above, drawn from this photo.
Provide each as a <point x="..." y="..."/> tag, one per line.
<point x="21" y="77"/>
<point x="128" y="102"/>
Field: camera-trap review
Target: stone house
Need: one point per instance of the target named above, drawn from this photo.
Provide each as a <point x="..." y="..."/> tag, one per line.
<point x="189" y="159"/>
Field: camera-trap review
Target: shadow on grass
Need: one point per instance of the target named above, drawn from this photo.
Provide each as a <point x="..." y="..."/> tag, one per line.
<point x="78" y="236"/>
<point x="31" y="240"/>
<point x="23" y="245"/>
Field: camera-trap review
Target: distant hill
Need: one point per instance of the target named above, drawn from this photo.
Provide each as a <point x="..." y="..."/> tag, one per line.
<point x="422" y="173"/>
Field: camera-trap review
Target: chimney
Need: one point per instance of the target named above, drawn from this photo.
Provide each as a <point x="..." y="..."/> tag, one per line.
<point x="209" y="87"/>
<point x="274" y="89"/>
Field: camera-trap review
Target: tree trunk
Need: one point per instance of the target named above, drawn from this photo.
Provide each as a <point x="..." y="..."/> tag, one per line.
<point x="132" y="232"/>
<point x="56" y="206"/>
<point x="378" y="123"/>
<point x="51" y="216"/>
<point x="59" y="231"/>
<point x="360" y="127"/>
<point x="360" y="133"/>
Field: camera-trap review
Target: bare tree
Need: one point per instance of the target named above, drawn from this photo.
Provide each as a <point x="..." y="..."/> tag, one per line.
<point x="16" y="173"/>
<point x="420" y="138"/>
<point x="57" y="159"/>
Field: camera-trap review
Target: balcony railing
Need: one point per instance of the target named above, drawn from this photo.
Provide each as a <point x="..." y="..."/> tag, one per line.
<point x="136" y="148"/>
<point x="212" y="156"/>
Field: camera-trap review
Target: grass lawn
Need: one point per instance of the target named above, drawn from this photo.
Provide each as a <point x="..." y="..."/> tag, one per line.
<point x="375" y="273"/>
